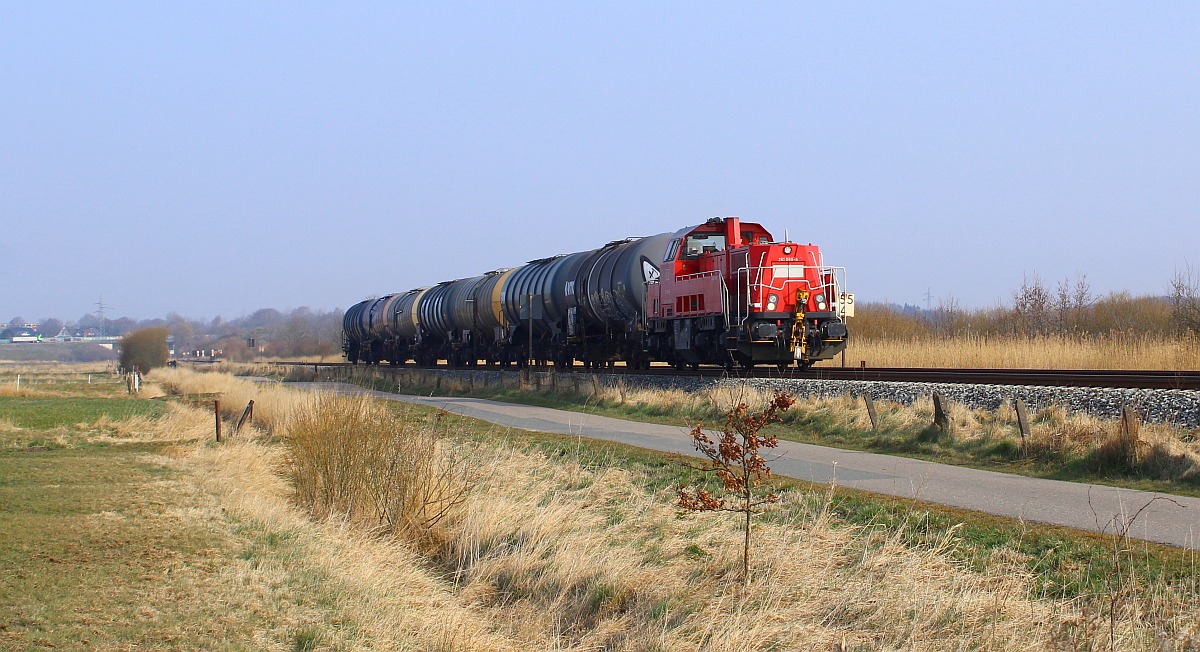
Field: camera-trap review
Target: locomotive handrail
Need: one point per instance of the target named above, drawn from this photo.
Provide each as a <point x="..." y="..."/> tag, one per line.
<point x="688" y="277"/>
<point x="724" y="302"/>
<point x="837" y="276"/>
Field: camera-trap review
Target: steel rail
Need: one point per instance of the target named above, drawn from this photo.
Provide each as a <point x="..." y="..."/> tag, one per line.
<point x="1108" y="378"/>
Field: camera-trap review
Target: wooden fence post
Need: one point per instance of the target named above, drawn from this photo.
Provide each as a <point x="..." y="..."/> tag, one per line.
<point x="1023" y="424"/>
<point x="940" y="418"/>
<point x="1130" y="427"/>
<point x="247" y="415"/>
<point x="871" y="411"/>
<point x="217" y="416"/>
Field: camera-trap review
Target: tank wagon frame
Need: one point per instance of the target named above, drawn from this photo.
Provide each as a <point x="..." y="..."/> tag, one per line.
<point x="723" y="292"/>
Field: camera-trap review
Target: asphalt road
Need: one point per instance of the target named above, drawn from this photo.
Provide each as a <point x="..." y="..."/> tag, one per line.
<point x="1162" y="518"/>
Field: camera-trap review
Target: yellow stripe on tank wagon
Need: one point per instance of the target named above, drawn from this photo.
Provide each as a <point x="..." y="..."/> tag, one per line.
<point x="415" y="312"/>
<point x="498" y="297"/>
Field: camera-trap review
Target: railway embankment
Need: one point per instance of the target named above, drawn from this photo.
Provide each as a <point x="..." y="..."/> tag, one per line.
<point x="1175" y="407"/>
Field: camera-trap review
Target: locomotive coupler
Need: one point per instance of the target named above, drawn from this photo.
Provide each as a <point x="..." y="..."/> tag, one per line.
<point x="799" y="331"/>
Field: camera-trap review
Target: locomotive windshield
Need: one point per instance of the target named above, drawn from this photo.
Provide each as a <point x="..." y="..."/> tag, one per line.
<point x="700" y="243"/>
<point x="672" y="249"/>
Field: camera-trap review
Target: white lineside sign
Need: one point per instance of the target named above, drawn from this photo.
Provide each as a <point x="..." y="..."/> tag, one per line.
<point x="846" y="304"/>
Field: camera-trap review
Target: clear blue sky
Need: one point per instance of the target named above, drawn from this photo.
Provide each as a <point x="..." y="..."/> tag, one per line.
<point x="215" y="158"/>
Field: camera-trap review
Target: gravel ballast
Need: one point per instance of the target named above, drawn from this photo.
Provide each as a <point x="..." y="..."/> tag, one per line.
<point x="1171" y="406"/>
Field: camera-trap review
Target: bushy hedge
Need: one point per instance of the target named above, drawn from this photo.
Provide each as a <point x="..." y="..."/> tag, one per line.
<point x="144" y="349"/>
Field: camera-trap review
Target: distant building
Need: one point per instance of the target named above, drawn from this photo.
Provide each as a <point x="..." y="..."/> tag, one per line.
<point x="18" y="335"/>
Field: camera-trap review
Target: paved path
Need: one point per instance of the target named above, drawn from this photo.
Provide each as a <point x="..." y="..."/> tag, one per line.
<point x="1173" y="520"/>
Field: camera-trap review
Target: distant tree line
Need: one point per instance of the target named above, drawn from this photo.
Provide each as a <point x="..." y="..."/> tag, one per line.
<point x="299" y="332"/>
<point x="1038" y="309"/>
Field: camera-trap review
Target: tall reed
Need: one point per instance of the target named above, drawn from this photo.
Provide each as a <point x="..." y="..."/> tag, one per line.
<point x="1112" y="351"/>
<point x="354" y="458"/>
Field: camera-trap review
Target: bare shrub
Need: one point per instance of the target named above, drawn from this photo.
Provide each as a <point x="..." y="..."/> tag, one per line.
<point x="144" y="349"/>
<point x="1185" y="299"/>
<point x="1031" y="303"/>
<point x="352" y="458"/>
<point x="1070" y="301"/>
<point x="737" y="463"/>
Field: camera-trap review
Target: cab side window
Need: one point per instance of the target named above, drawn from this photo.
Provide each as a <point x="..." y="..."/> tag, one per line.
<point x="672" y="250"/>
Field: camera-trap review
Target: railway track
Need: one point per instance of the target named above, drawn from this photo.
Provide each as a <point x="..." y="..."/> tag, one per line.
<point x="1111" y="378"/>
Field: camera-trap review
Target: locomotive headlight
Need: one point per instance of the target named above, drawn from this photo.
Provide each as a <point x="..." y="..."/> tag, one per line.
<point x="820" y="299"/>
<point x="787" y="250"/>
<point x="772" y="301"/>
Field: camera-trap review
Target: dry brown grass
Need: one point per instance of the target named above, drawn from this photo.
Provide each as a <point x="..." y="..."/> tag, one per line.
<point x="571" y="557"/>
<point x="1049" y="352"/>
<point x="380" y="594"/>
<point x="355" y="459"/>
<point x="49" y="369"/>
<point x="12" y="390"/>
<point x="567" y="554"/>
<point x="560" y="555"/>
<point x="57" y="380"/>
<point x="182" y="423"/>
<point x="272" y="402"/>
<point x="1164" y="451"/>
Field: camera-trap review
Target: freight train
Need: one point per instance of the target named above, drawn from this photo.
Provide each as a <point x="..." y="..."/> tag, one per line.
<point x="720" y="293"/>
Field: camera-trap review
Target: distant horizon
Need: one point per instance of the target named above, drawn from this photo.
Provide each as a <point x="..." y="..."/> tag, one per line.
<point x="339" y="309"/>
<point x="207" y="159"/>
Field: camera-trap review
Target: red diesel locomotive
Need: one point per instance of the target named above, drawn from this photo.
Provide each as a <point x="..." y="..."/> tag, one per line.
<point x="727" y="294"/>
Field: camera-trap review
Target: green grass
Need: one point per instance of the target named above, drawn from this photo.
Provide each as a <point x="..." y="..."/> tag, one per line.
<point x="91" y="555"/>
<point x="103" y="545"/>
<point x="47" y="413"/>
<point x="106" y="546"/>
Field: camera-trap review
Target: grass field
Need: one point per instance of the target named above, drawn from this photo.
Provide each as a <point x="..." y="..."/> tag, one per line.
<point x="1113" y="351"/>
<point x="136" y="531"/>
<point x="1062" y="446"/>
